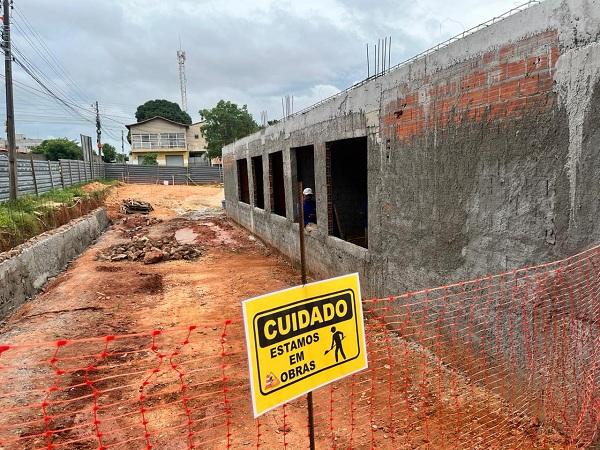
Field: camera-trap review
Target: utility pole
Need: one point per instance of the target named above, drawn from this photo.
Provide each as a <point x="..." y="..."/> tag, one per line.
<point x="98" y="130"/>
<point x="10" y="106"/>
<point x="122" y="142"/>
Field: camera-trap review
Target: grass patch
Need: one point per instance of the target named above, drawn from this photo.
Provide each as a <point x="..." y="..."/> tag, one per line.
<point x="107" y="182"/>
<point x="31" y="215"/>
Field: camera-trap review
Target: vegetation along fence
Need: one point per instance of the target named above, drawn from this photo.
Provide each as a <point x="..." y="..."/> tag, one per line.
<point x="129" y="173"/>
<point x="509" y="361"/>
<point x="37" y="177"/>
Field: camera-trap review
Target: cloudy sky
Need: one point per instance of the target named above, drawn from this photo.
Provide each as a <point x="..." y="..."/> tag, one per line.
<point x="123" y="52"/>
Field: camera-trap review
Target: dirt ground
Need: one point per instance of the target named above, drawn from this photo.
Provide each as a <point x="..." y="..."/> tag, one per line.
<point x="99" y="298"/>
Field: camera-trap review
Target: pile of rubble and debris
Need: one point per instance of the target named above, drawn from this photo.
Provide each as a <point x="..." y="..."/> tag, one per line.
<point x="136" y="224"/>
<point x="150" y="251"/>
<point x="132" y="206"/>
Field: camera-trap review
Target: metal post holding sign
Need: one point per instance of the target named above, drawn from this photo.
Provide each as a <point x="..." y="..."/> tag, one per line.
<point x="303" y="338"/>
<point x="309" y="396"/>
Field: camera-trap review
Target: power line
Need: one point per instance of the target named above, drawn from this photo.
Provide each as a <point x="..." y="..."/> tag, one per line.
<point x="50" y="90"/>
<point x="34" y="68"/>
<point x="46" y="92"/>
<point x="55" y="92"/>
<point x="47" y="96"/>
<point x="113" y="120"/>
<point x="40" y="54"/>
<point x="47" y="89"/>
<point x="57" y="64"/>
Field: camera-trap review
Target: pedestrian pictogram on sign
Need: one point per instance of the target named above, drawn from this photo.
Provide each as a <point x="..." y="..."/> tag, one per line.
<point x="302" y="338"/>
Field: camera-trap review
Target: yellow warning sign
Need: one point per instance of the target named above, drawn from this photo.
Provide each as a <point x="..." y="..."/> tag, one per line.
<point x="302" y="338"/>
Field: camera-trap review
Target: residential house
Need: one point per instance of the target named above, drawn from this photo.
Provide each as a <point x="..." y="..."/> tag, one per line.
<point x="174" y="143"/>
<point x="23" y="143"/>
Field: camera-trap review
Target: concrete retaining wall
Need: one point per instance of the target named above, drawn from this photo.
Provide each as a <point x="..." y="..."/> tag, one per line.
<point x="25" y="273"/>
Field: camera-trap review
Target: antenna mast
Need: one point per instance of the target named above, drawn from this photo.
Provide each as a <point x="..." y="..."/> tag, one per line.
<point x="182" y="79"/>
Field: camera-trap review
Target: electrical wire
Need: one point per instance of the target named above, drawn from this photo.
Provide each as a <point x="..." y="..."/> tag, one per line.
<point x="47" y="89"/>
<point x="45" y="94"/>
<point x="50" y="88"/>
<point x="39" y="72"/>
<point x="53" y="61"/>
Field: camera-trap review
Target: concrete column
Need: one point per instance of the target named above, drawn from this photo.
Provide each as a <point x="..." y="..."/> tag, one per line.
<point x="266" y="182"/>
<point x="321" y="187"/>
<point x="294" y="183"/>
<point x="287" y="182"/>
<point x="250" y="182"/>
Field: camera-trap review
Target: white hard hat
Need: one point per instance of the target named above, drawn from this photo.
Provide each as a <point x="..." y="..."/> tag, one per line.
<point x="307" y="191"/>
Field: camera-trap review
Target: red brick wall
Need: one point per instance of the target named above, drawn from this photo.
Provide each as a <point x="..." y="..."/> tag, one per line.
<point x="505" y="83"/>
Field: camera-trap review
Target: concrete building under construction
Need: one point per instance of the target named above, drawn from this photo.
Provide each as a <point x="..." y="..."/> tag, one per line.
<point x="478" y="157"/>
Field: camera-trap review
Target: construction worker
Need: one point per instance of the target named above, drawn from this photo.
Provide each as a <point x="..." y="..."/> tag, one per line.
<point x="309" y="206"/>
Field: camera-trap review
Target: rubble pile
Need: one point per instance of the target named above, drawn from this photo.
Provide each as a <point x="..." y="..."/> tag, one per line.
<point x="136" y="221"/>
<point x="150" y="251"/>
<point x="132" y="206"/>
<point x="136" y="224"/>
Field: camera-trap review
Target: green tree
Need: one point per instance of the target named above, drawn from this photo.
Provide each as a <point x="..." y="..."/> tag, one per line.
<point x="150" y="159"/>
<point x="225" y="123"/>
<point x="162" y="108"/>
<point x="61" y="148"/>
<point x="121" y="158"/>
<point x="109" y="153"/>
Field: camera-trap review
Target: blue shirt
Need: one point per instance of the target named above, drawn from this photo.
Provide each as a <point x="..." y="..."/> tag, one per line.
<point x="310" y="211"/>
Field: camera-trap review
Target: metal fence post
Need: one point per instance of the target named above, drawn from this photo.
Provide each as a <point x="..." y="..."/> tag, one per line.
<point x="35" y="186"/>
<point x="62" y="176"/>
<point x="51" y="174"/>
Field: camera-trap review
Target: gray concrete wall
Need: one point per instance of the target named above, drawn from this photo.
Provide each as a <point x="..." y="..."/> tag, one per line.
<point x="470" y="186"/>
<point x="24" y="273"/>
<point x="483" y="157"/>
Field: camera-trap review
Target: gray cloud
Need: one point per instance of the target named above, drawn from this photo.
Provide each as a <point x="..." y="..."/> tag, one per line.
<point x="122" y="52"/>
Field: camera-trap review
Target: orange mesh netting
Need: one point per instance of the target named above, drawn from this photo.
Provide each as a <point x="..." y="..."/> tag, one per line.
<point x="509" y="361"/>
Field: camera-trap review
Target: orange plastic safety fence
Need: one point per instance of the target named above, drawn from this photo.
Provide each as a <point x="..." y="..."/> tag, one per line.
<point x="509" y="361"/>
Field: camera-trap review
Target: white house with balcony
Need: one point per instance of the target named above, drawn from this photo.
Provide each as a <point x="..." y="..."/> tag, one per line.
<point x="174" y="144"/>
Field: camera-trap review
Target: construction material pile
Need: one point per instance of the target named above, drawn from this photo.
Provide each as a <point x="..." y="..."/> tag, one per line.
<point x="132" y="206"/>
<point x="136" y="224"/>
<point x="150" y="251"/>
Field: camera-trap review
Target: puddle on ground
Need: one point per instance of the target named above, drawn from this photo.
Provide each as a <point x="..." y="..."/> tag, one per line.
<point x="185" y="236"/>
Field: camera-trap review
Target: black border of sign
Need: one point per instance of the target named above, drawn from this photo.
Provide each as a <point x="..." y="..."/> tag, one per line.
<point x="324" y="368"/>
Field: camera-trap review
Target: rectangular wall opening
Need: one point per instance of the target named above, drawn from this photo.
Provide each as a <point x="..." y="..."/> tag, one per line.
<point x="346" y="168"/>
<point x="277" y="184"/>
<point x="243" y="188"/>
<point x="257" y="176"/>
<point x="305" y="173"/>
